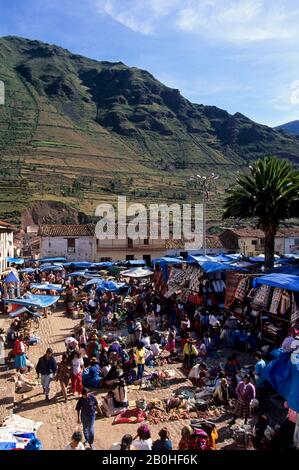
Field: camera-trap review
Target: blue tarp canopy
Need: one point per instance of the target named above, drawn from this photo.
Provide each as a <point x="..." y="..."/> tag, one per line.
<point x="261" y="258"/>
<point x="56" y="287"/>
<point x="39" y="301"/>
<point x="214" y="266"/>
<point x="21" y="310"/>
<point x="51" y="267"/>
<point x="111" y="286"/>
<point x="27" y="270"/>
<point x="51" y="260"/>
<point x="167" y="260"/>
<point x="76" y="274"/>
<point x="283" y="375"/>
<point x="12" y="277"/>
<point x="94" y="280"/>
<point x="211" y="266"/>
<point x="281" y="280"/>
<point x="135" y="262"/>
<point x="15" y="260"/>
<point x="78" y="264"/>
<point x="103" y="264"/>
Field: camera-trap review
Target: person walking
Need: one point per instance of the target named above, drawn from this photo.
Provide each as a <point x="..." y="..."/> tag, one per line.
<point x="46" y="368"/>
<point x="77" y="365"/>
<point x="245" y="393"/>
<point x="87" y="407"/>
<point x="63" y="374"/>
<point x="19" y="354"/>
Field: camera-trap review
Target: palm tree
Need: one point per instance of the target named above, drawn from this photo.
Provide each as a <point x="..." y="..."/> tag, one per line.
<point x="269" y="193"/>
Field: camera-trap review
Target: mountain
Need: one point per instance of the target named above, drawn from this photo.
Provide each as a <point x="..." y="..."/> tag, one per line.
<point x="80" y="131"/>
<point x="290" y="127"/>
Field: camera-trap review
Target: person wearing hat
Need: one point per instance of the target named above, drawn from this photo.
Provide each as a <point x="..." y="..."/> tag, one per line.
<point x="220" y="394"/>
<point x="186" y="434"/>
<point x="190" y="353"/>
<point x="46" y="368"/>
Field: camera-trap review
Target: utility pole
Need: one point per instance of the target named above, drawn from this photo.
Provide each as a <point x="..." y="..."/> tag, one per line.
<point x="204" y="183"/>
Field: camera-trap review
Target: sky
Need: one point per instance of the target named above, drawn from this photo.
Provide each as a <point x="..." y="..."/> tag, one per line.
<point x="239" y="55"/>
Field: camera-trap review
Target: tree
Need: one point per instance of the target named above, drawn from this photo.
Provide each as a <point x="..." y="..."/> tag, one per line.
<point x="269" y="193"/>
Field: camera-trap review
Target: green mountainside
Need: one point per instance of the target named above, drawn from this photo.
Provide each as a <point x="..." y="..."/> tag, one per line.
<point x="80" y="131"/>
<point x="290" y="127"/>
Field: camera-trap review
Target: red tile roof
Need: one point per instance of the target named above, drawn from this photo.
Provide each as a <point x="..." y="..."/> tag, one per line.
<point x="66" y="230"/>
<point x="6" y="225"/>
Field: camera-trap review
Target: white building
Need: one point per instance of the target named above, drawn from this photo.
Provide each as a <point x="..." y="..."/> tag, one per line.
<point x="291" y="240"/>
<point x="74" y="242"/>
<point x="6" y="244"/>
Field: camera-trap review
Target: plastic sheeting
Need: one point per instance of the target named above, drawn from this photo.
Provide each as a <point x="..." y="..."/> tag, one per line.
<point x="12" y="277"/>
<point x="137" y="272"/>
<point x="15" y="260"/>
<point x="52" y="260"/>
<point x="56" y="287"/>
<point x="111" y="286"/>
<point x="136" y="262"/>
<point x="53" y="267"/>
<point x="39" y="301"/>
<point x="283" y="281"/>
<point x="76" y="274"/>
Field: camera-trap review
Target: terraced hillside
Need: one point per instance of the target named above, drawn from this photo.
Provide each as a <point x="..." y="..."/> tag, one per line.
<point x="81" y="131"/>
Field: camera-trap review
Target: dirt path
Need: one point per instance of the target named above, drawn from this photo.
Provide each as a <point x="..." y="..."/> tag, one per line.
<point x="59" y="418"/>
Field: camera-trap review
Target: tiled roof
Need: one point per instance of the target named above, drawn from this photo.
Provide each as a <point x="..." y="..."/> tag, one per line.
<point x="66" y="230"/>
<point x="249" y="232"/>
<point x="174" y="244"/>
<point x="6" y="225"/>
<point x="257" y="233"/>
<point x="288" y="232"/>
<point x="213" y="241"/>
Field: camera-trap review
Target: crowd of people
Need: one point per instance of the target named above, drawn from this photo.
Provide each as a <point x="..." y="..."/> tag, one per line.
<point x="144" y="327"/>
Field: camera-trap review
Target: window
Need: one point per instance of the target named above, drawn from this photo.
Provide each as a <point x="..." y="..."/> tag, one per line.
<point x="253" y="242"/>
<point x="130" y="243"/>
<point x="262" y="241"/>
<point x="296" y="241"/>
<point x="129" y="257"/>
<point x="146" y="241"/>
<point x="71" y="245"/>
<point x="103" y="260"/>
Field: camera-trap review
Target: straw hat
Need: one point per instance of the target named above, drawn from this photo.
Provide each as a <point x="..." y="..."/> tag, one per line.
<point x="94" y="337"/>
<point x="93" y="359"/>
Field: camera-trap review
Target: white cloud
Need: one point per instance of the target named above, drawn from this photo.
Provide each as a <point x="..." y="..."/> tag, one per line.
<point x="229" y="21"/>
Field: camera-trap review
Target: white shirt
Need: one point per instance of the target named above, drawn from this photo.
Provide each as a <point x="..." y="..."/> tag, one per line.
<point x="147" y="341"/>
<point x="80" y="446"/>
<point x="76" y="365"/>
<point x="213" y="320"/>
<point x="155" y="349"/>
<point x="140" y="444"/>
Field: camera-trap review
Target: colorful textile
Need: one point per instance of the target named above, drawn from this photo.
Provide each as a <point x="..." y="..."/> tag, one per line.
<point x="262" y="297"/>
<point x="276" y="297"/>
<point x="295" y="307"/>
<point x="232" y="281"/>
<point x="242" y="289"/>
